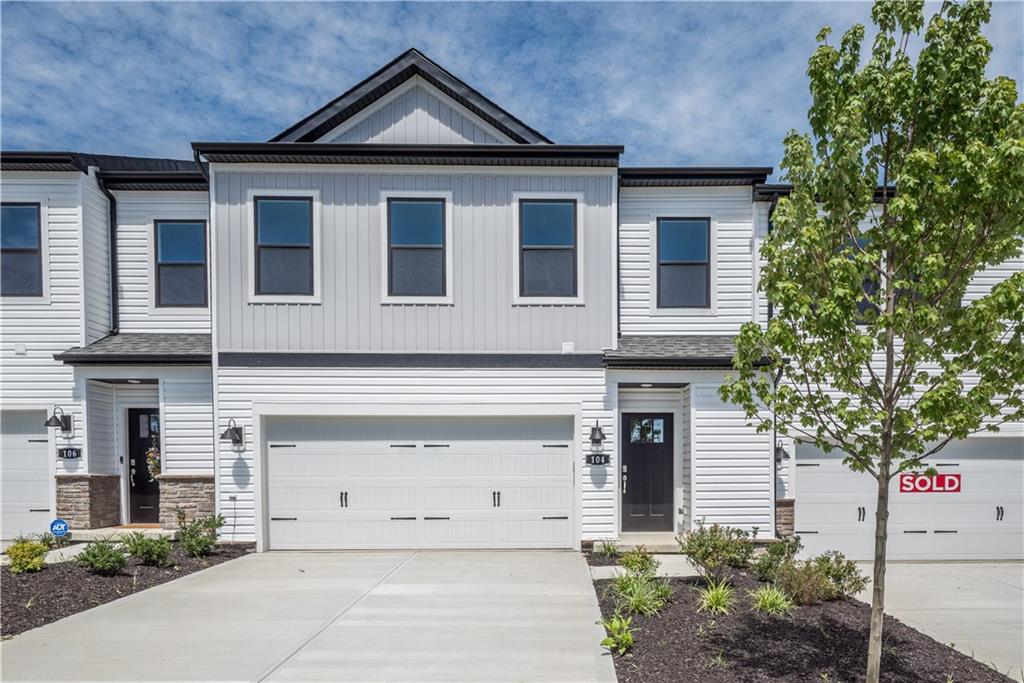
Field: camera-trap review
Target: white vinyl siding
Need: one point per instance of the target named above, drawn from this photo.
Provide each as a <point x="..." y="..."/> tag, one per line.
<point x="416" y="113"/>
<point x="136" y="212"/>
<point x="186" y="412"/>
<point x="731" y="213"/>
<point x="240" y="388"/>
<point x="686" y="457"/>
<point x="99" y="401"/>
<point x="95" y="260"/>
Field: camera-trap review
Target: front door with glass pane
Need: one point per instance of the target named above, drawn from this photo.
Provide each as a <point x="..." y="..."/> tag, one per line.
<point x="647" y="472"/>
<point x="143" y="489"/>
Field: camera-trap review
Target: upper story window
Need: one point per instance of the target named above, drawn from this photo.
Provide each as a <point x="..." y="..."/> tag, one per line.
<point x="181" y="263"/>
<point x="416" y="247"/>
<point x="547" y="248"/>
<point x="21" y="252"/>
<point x="684" y="263"/>
<point x="284" y="246"/>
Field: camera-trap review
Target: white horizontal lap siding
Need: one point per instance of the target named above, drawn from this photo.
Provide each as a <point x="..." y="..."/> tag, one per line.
<point x="732" y="465"/>
<point x="136" y="252"/>
<point x="240" y="388"/>
<point x="687" y="455"/>
<point x="761" y="210"/>
<point x="186" y="410"/>
<point x="96" y="260"/>
<point x="732" y="226"/>
<point x="99" y="399"/>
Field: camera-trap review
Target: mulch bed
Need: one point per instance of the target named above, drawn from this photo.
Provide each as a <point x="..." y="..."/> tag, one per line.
<point x="682" y="645"/>
<point x="34" y="599"/>
<point x="599" y="560"/>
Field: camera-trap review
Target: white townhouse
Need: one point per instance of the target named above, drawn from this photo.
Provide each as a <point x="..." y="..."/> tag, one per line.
<point x="410" y="320"/>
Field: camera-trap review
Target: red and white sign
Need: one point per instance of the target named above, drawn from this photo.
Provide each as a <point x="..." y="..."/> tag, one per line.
<point x="922" y="483"/>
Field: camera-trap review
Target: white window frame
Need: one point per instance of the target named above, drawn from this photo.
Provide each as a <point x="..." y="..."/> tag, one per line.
<point x="449" y="249"/>
<point x="13" y="196"/>
<point x="249" y="244"/>
<point x="517" y="298"/>
<point x="693" y="311"/>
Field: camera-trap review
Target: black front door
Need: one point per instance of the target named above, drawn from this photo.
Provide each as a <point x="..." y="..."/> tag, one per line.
<point x="647" y="472"/>
<point x="143" y="491"/>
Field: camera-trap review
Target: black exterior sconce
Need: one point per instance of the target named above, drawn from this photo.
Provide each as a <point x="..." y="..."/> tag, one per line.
<point x="59" y="419"/>
<point x="233" y="433"/>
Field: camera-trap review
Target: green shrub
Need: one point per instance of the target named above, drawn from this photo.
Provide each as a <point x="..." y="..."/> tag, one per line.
<point x="620" y="635"/>
<point x="198" y="538"/>
<point x="804" y="582"/>
<point x="772" y="601"/>
<point x="102" y="557"/>
<point x="26" y="556"/>
<point x="639" y="561"/>
<point x="150" y="551"/>
<point x="51" y="541"/>
<point x="775" y="554"/>
<point x="716" y="598"/>
<point x="842" y="574"/>
<point x="608" y="549"/>
<point x="640" y="593"/>
<point x="714" y="549"/>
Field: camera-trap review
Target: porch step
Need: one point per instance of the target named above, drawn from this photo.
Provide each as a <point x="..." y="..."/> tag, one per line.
<point x="653" y="541"/>
<point x="117" y="532"/>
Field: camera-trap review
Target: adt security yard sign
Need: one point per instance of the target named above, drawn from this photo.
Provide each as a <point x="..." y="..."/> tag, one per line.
<point x="58" y="528"/>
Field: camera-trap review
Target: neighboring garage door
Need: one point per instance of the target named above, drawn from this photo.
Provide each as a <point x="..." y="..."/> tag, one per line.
<point x="25" y="473"/>
<point x="405" y="482"/>
<point x="835" y="507"/>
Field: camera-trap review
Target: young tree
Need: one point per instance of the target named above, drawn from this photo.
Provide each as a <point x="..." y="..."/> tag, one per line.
<point x="910" y="182"/>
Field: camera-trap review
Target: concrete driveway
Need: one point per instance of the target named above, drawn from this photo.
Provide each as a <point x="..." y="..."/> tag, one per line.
<point x="373" y="616"/>
<point x="976" y="607"/>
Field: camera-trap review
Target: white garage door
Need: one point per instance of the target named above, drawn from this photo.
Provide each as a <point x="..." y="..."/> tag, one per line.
<point x="835" y="507"/>
<point x="25" y="472"/>
<point x="401" y="482"/>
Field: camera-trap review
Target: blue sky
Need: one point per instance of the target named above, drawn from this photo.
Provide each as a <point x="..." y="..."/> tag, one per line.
<point x="678" y="84"/>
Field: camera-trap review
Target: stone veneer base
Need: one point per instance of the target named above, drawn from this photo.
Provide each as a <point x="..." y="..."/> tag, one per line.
<point x="193" y="493"/>
<point x="784" y="518"/>
<point x="89" y="501"/>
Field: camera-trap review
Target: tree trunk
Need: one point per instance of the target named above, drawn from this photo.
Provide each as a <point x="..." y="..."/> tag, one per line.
<point x="878" y="572"/>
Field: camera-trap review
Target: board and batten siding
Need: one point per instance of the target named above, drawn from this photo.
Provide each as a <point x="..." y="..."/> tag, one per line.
<point x="136" y="254"/>
<point x="95" y="259"/>
<point x="240" y="388"/>
<point x="350" y="315"/>
<point x="731" y="212"/>
<point x="416" y="113"/>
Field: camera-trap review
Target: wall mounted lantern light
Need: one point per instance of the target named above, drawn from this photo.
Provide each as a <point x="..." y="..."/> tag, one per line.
<point x="59" y="419"/>
<point x="596" y="437"/>
<point x="233" y="433"/>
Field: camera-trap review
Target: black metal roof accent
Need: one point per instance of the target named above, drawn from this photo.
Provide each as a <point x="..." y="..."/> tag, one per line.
<point x="672" y="351"/>
<point x="141" y="169"/>
<point x="155" y="180"/>
<point x="767" y="192"/>
<point x="407" y="360"/>
<point x="40" y="161"/>
<point x="468" y="154"/>
<point x="410" y="63"/>
<point x="693" y="176"/>
<point x="141" y="349"/>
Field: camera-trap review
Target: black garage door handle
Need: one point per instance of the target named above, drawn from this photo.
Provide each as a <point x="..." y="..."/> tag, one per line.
<point x="407" y="519"/>
<point x="437" y="518"/>
<point x="284" y="519"/>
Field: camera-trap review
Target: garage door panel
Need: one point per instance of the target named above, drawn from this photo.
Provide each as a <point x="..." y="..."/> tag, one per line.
<point x="494" y="532"/>
<point x="24" y="473"/>
<point x="356" y="531"/>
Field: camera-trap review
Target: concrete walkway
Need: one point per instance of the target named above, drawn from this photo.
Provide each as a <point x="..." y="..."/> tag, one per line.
<point x="373" y="616"/>
<point x="976" y="607"/>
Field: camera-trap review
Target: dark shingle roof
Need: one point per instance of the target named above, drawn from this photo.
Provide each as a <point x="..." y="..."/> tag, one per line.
<point x="697" y="351"/>
<point x="147" y="348"/>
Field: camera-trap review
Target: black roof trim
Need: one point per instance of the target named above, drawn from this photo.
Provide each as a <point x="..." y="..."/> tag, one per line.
<point x="767" y="192"/>
<point x="407" y="360"/>
<point x="155" y="180"/>
<point x="71" y="358"/>
<point x="410" y="63"/>
<point x="469" y="154"/>
<point x="692" y="362"/>
<point x="108" y="164"/>
<point x="693" y="176"/>
<point x="40" y="161"/>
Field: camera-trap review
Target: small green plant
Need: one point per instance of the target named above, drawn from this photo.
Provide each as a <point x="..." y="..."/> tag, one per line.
<point x="609" y="549"/>
<point x="639" y="561"/>
<point x="842" y="574"/>
<point x="102" y="557"/>
<point x="804" y="582"/>
<point x="51" y="541"/>
<point x="715" y="549"/>
<point x="640" y="593"/>
<point x="198" y="538"/>
<point x="771" y="601"/>
<point x="775" y="554"/>
<point x="719" y="661"/>
<point x="620" y="635"/>
<point x="703" y="630"/>
<point x="716" y="598"/>
<point x="154" y="552"/>
<point x="26" y="556"/>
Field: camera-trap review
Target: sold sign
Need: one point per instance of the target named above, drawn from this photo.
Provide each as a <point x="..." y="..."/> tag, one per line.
<point x="923" y="483"/>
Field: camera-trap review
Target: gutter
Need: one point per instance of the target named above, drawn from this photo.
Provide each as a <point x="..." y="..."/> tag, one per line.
<point x="115" y="313"/>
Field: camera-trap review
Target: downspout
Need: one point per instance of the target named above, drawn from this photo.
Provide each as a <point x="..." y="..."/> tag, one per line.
<point x="115" y="315"/>
<point x="199" y="165"/>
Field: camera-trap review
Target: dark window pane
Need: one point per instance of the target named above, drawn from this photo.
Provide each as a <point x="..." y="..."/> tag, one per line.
<point x="284" y="271"/>
<point x="21" y="274"/>
<point x="284" y="221"/>
<point x="548" y="223"/>
<point x="683" y="286"/>
<point x="19" y="227"/>
<point x="417" y="272"/>
<point x="417" y="222"/>
<point x="549" y="272"/>
<point x="683" y="240"/>
<point x="182" y="285"/>
<point x="181" y="242"/>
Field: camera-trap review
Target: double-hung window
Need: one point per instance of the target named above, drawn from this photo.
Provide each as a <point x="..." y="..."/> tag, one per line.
<point x="284" y="246"/>
<point x="21" y="252"/>
<point x="180" y="263"/>
<point x="416" y="247"/>
<point x="684" y="263"/>
<point x="547" y="248"/>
